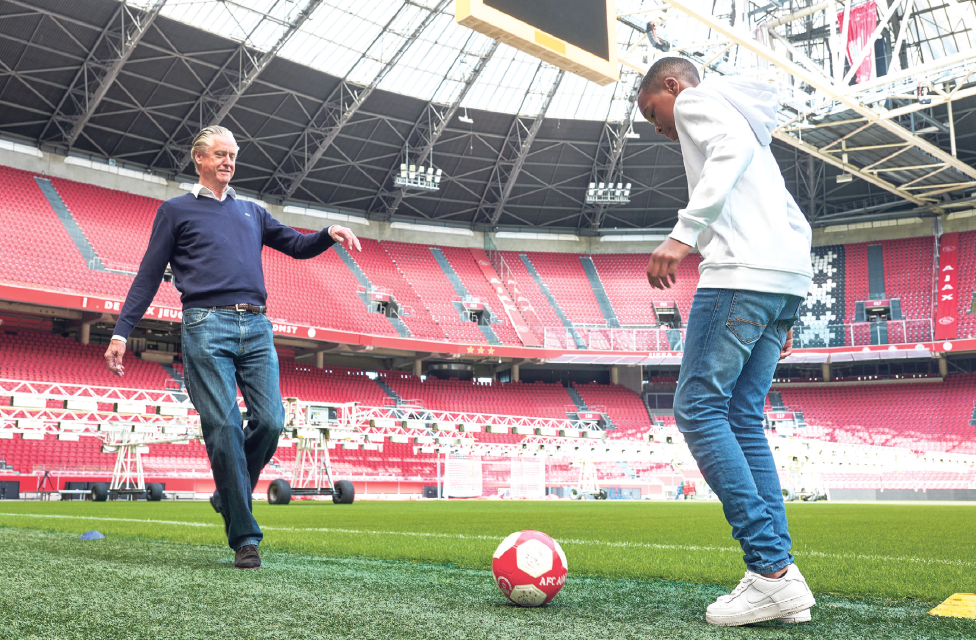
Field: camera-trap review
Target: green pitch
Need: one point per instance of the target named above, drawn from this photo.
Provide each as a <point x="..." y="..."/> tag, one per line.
<point x="420" y="570"/>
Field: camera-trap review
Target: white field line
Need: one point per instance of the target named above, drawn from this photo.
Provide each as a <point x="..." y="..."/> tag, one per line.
<point x="562" y="541"/>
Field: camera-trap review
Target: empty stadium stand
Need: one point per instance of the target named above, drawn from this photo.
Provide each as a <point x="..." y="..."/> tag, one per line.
<point x="624" y="407"/>
<point x="566" y="280"/>
<point x="383" y="272"/>
<point x="320" y="291"/>
<point x="536" y="399"/>
<point x="624" y="277"/>
<point x="323" y="293"/>
<point x="916" y="415"/>
<point x="46" y="358"/>
<point x="967" y="280"/>
<point x="416" y="265"/>
<point x="465" y="265"/>
<point x="98" y="212"/>
<point x="37" y="250"/>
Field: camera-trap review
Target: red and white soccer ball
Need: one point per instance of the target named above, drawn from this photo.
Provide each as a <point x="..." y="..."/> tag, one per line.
<point x="529" y="567"/>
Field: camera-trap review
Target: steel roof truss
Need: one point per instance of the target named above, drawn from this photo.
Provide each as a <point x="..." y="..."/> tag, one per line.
<point x="97" y="74"/>
<point x="344" y="102"/>
<point x="515" y="149"/>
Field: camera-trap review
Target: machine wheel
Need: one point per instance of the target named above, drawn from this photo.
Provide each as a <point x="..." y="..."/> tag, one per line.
<point x="154" y="491"/>
<point x="344" y="492"/>
<point x="574" y="494"/>
<point x="789" y="495"/>
<point x="602" y="495"/>
<point x="99" y="491"/>
<point x="279" y="492"/>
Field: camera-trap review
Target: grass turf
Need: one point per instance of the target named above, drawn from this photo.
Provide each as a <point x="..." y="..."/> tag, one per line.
<point x="58" y="587"/>
<point x="924" y="552"/>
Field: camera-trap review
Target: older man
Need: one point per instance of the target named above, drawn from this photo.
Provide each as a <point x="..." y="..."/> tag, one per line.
<point x="213" y="242"/>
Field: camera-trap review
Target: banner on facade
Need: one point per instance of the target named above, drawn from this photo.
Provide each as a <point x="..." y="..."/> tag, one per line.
<point x="947" y="288"/>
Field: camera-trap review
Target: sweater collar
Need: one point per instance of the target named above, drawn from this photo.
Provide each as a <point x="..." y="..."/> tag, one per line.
<point x="200" y="190"/>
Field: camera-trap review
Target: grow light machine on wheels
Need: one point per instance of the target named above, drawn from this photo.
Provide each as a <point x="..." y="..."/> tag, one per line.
<point x="316" y="428"/>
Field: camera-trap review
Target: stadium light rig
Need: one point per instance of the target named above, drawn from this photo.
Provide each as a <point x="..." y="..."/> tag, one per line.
<point x="606" y="193"/>
<point x="413" y="177"/>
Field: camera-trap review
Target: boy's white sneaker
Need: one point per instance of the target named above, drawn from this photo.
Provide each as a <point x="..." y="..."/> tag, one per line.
<point x="757" y="599"/>
<point x="797" y="618"/>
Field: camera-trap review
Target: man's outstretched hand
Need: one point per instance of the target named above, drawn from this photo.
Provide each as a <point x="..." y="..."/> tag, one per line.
<point x="345" y="235"/>
<point x="113" y="357"/>
<point x="662" y="269"/>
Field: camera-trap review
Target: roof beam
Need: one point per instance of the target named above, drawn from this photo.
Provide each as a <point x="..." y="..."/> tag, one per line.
<point x="218" y="98"/>
<point x="116" y="43"/>
<point x="431" y="124"/>
<point x="341" y="105"/>
<point x="842" y="95"/>
<point x="514" y="151"/>
<point x="606" y="162"/>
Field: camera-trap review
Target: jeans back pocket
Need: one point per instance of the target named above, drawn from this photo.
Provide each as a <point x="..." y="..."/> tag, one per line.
<point x="738" y="322"/>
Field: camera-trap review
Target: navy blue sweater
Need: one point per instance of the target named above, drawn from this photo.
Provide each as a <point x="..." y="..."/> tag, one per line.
<point x="214" y="249"/>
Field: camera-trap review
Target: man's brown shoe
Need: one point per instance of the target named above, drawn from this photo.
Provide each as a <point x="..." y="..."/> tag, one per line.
<point x="247" y="557"/>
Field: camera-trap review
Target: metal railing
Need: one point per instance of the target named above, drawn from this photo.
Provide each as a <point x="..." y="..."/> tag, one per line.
<point x="856" y="334"/>
<point x="862" y="334"/>
<point x="605" y="339"/>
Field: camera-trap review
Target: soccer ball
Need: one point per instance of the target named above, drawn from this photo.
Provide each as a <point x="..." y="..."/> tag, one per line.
<point x="529" y="567"/>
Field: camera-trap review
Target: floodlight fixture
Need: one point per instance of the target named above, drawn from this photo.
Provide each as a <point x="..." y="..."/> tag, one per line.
<point x="413" y="177"/>
<point x="608" y="193"/>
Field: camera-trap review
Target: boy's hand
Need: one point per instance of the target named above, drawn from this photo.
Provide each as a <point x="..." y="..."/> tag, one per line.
<point x="787" y="349"/>
<point x="662" y="268"/>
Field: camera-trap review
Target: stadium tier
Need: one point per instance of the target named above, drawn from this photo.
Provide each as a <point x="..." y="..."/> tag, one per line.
<point x="38" y="250"/>
<point x="926" y="416"/>
<point x="564" y="277"/>
<point x="429" y="282"/>
<point x="466" y="266"/>
<point x="384" y="274"/>
<point x="967" y="277"/>
<point x="624" y="277"/>
<point x="321" y="292"/>
<point x="535" y="400"/>
<point x="31" y="356"/>
<point x="419" y="269"/>
<point x="98" y="212"/>
<point x="625" y="408"/>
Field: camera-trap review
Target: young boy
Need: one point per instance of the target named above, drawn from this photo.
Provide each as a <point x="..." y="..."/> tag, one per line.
<point x="755" y="272"/>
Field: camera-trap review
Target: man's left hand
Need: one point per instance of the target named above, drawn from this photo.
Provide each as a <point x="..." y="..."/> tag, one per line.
<point x="345" y="235"/>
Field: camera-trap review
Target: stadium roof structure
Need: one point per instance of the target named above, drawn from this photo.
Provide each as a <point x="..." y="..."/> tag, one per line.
<point x="327" y="99"/>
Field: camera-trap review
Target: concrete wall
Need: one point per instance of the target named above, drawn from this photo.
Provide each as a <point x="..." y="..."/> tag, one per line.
<point x="54" y="165"/>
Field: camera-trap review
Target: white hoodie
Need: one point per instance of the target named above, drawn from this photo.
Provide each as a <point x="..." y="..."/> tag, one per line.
<point x="749" y="230"/>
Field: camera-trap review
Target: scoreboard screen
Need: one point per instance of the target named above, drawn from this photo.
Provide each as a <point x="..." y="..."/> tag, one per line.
<point x="577" y="35"/>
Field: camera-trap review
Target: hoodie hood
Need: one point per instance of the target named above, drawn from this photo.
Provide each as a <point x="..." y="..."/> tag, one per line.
<point x="755" y="100"/>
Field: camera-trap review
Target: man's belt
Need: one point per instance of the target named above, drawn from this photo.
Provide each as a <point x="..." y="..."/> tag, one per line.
<point x="250" y="308"/>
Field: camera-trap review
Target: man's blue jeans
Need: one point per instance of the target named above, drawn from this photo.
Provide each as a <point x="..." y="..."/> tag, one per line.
<point x="224" y="350"/>
<point x="734" y="339"/>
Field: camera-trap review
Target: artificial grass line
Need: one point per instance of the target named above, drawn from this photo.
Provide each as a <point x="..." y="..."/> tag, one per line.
<point x="562" y="541"/>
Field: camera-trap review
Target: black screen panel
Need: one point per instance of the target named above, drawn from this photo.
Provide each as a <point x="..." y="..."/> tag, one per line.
<point x="581" y="23"/>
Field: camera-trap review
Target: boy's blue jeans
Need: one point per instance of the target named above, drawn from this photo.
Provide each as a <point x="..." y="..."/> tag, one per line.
<point x="734" y="339"/>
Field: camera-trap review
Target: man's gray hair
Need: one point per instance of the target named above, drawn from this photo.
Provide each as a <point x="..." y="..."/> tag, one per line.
<point x="203" y="141"/>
